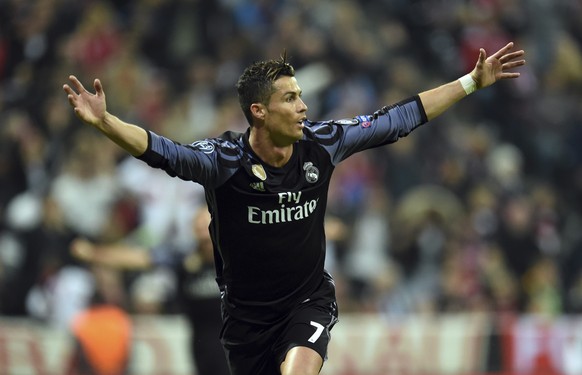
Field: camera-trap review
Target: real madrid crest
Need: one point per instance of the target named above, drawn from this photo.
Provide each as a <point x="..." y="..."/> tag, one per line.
<point x="259" y="171"/>
<point x="311" y="172"/>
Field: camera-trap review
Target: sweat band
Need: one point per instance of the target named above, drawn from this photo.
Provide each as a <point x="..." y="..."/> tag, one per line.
<point x="468" y="83"/>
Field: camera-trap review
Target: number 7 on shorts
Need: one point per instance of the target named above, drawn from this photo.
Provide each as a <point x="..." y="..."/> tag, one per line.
<point x="318" y="330"/>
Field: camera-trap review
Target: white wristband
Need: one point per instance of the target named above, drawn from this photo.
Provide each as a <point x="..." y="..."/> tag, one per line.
<point x="468" y="83"/>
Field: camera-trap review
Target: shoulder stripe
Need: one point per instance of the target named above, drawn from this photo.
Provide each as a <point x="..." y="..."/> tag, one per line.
<point x="326" y="133"/>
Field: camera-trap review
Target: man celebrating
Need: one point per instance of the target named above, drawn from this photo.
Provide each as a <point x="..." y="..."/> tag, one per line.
<point x="266" y="190"/>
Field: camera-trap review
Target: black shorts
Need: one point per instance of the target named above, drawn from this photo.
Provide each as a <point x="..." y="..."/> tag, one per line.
<point x="253" y="349"/>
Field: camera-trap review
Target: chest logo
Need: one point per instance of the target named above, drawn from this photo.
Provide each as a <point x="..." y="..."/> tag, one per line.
<point x="259" y="171"/>
<point x="311" y="172"/>
<point x="258" y="186"/>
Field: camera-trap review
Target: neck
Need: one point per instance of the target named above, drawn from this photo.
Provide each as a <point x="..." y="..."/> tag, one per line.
<point x="268" y="151"/>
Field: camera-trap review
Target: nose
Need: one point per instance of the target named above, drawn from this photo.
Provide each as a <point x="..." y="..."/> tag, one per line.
<point x="302" y="106"/>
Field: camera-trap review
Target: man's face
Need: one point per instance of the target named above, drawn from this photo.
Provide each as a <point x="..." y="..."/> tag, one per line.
<point x="285" y="112"/>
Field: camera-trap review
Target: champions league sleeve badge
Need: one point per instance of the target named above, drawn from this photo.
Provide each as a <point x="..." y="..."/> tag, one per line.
<point x="311" y="172"/>
<point x="204" y="146"/>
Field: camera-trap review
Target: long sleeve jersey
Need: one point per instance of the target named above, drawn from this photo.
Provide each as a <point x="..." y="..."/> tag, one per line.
<point x="268" y="223"/>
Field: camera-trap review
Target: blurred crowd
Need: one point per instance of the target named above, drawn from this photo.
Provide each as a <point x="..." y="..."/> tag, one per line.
<point x="480" y="210"/>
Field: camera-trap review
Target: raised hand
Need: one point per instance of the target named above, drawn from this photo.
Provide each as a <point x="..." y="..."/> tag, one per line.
<point x="89" y="107"/>
<point x="489" y="70"/>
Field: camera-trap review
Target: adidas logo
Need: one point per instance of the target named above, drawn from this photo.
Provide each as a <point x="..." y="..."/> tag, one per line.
<point x="258" y="186"/>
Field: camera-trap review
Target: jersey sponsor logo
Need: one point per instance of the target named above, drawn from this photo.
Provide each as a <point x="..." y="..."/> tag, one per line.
<point x="259" y="171"/>
<point x="311" y="172"/>
<point x="204" y="146"/>
<point x="283" y="214"/>
<point x="291" y="209"/>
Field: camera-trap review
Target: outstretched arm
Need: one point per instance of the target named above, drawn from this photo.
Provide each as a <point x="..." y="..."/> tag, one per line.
<point x="487" y="71"/>
<point x="92" y="109"/>
<point x="118" y="256"/>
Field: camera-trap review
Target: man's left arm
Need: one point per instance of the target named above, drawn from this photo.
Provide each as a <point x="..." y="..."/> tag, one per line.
<point x="487" y="71"/>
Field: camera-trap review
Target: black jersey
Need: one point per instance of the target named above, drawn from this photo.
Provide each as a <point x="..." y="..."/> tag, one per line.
<point x="268" y="223"/>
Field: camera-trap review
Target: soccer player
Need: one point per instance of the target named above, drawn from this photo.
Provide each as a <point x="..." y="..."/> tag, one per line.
<point x="266" y="191"/>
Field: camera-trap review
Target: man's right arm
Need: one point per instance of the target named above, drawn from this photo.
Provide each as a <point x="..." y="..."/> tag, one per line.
<point x="131" y="138"/>
<point x="92" y="109"/>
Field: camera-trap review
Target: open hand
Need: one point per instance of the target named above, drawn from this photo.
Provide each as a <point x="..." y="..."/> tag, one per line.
<point x="489" y="70"/>
<point x="89" y="107"/>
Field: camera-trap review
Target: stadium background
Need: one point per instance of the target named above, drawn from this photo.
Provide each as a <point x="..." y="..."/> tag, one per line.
<point x="457" y="250"/>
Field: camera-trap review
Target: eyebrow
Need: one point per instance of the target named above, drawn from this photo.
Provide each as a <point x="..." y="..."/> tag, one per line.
<point x="298" y="93"/>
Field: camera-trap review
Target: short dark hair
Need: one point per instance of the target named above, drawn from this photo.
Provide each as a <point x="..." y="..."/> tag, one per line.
<point x="255" y="85"/>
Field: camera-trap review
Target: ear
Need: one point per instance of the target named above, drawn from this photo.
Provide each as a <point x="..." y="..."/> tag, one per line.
<point x="258" y="110"/>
